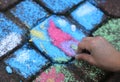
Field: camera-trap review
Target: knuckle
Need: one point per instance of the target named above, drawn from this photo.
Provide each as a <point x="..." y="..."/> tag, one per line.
<point x="99" y="38"/>
<point x="93" y="43"/>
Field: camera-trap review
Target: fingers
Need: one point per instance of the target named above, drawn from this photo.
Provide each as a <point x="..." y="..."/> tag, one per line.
<point x="84" y="44"/>
<point x="87" y="38"/>
<point x="86" y="57"/>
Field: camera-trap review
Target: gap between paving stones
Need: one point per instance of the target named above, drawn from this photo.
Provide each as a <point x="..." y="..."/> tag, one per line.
<point x="67" y="13"/>
<point x="11" y="6"/>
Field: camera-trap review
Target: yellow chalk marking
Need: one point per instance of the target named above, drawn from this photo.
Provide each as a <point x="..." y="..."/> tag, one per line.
<point x="37" y="34"/>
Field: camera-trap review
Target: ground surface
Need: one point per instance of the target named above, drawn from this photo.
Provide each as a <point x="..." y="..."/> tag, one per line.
<point x="38" y="39"/>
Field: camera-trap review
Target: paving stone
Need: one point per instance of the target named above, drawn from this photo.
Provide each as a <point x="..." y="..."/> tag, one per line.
<point x="26" y="61"/>
<point x="110" y="6"/>
<point x="110" y="31"/>
<point x="5" y="77"/>
<point x="93" y="73"/>
<point x="29" y="12"/>
<point x="11" y="35"/>
<point x="56" y="37"/>
<point x="59" y="6"/>
<point x="88" y="15"/>
<point x="74" y="72"/>
<point x="6" y="3"/>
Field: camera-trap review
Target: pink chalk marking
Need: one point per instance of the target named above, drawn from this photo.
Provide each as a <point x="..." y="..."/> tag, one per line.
<point x="51" y="76"/>
<point x="59" y="38"/>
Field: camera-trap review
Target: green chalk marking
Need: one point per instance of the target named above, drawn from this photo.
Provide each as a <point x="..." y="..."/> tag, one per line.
<point x="111" y="32"/>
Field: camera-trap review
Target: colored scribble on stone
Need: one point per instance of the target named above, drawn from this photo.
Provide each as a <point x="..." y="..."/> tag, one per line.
<point x="51" y="76"/>
<point x="53" y="72"/>
<point x="11" y="35"/>
<point x="110" y="31"/>
<point x="78" y="71"/>
<point x="61" y="40"/>
<point x="93" y="73"/>
<point x="29" y="12"/>
<point x="88" y="15"/>
<point x="60" y="6"/>
<point x="26" y="61"/>
<point x="58" y="38"/>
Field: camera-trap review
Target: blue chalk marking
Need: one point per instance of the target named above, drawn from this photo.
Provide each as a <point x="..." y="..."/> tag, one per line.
<point x="47" y="46"/>
<point x="26" y="61"/>
<point x="7" y="26"/>
<point x="87" y="15"/>
<point x="59" y="6"/>
<point x="8" y="69"/>
<point x="8" y="31"/>
<point x="29" y="12"/>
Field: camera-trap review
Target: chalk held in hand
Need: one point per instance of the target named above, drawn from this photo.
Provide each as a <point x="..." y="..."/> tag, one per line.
<point x="74" y="47"/>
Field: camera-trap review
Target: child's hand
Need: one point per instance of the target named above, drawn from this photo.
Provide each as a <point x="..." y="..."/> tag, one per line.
<point x="102" y="53"/>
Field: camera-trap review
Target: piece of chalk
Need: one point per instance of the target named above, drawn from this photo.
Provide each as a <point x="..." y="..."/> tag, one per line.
<point x="73" y="46"/>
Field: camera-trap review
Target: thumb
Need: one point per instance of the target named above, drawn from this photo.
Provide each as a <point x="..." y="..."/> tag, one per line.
<point x="86" y="57"/>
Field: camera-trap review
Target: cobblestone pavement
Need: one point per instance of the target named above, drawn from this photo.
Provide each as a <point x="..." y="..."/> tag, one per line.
<point x="38" y="38"/>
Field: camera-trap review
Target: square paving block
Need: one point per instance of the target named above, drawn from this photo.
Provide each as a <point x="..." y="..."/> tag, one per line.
<point x="91" y="72"/>
<point x="59" y="73"/>
<point x="11" y="35"/>
<point x="110" y="31"/>
<point x="88" y="16"/>
<point x="59" y="6"/>
<point x="57" y="37"/>
<point x="70" y="73"/>
<point x="6" y="3"/>
<point x="26" y="61"/>
<point x="29" y="12"/>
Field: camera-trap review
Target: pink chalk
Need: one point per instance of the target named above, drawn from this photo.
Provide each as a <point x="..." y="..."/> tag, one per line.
<point x="51" y="76"/>
<point x="60" y="39"/>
